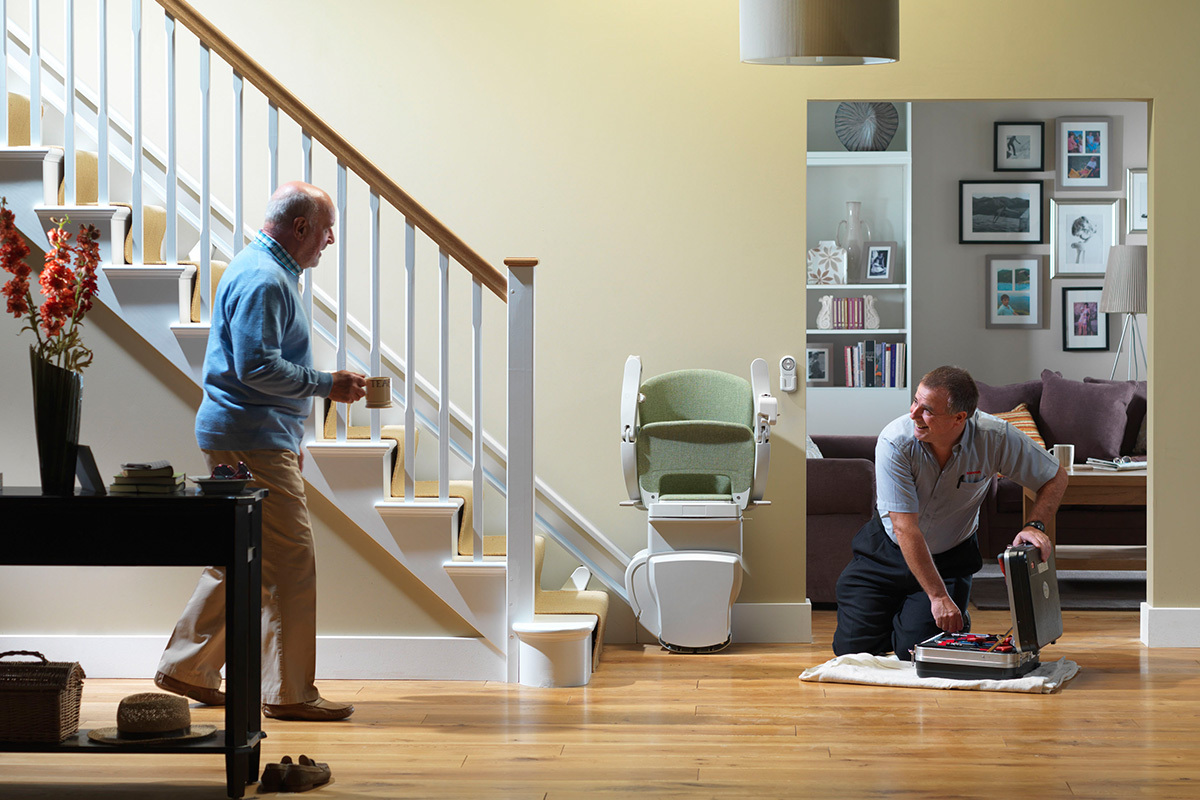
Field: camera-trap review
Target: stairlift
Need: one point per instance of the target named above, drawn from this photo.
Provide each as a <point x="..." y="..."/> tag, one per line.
<point x="695" y="448"/>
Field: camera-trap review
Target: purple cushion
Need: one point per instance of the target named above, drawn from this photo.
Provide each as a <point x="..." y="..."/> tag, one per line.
<point x="998" y="399"/>
<point x="1135" y="414"/>
<point x="1091" y="416"/>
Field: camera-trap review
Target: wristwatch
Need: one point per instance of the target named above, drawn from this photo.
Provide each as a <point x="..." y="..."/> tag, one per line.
<point x="1034" y="523"/>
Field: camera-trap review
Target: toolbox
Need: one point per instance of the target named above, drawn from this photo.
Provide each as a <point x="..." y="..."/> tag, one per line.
<point x="1036" y="622"/>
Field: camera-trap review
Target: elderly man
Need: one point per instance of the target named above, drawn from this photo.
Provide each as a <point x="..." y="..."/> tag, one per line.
<point x="258" y="381"/>
<point x="911" y="573"/>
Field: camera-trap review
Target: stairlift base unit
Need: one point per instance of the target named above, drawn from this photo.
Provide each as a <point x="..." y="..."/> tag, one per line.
<point x="694" y="593"/>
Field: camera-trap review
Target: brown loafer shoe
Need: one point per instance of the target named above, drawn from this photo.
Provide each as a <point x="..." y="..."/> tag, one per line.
<point x="305" y="775"/>
<point x="201" y="694"/>
<point x="319" y="710"/>
<point x="272" y="777"/>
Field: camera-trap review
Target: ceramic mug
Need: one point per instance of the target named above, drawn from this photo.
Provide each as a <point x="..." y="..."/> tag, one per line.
<point x="379" y="392"/>
<point x="1065" y="453"/>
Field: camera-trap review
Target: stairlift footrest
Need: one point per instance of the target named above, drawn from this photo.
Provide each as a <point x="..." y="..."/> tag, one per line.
<point x="694" y="592"/>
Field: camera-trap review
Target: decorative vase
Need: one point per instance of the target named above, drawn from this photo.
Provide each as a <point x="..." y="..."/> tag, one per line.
<point x="865" y="126"/>
<point x="825" y="315"/>
<point x="826" y="264"/>
<point x="853" y="240"/>
<point x="57" y="402"/>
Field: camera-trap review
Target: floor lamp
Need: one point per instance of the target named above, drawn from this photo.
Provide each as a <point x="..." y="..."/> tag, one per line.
<point x="1125" y="293"/>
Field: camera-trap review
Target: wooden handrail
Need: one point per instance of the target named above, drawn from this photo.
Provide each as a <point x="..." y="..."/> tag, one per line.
<point x="347" y="154"/>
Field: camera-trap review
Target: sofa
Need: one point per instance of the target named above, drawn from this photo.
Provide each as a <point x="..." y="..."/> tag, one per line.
<point x="1102" y="418"/>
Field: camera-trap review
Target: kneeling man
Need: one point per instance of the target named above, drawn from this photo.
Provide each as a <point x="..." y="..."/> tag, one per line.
<point x="911" y="573"/>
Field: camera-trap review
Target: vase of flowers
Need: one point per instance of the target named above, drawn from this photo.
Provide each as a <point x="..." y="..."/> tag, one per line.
<point x="68" y="285"/>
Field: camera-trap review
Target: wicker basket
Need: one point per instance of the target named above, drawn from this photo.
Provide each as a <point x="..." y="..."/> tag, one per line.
<point x="39" y="700"/>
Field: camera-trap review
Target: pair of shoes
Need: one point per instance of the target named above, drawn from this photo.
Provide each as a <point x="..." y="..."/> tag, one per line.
<point x="291" y="777"/>
<point x="319" y="710"/>
<point x="201" y="694"/>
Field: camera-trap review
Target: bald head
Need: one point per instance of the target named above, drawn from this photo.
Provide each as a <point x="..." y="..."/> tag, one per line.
<point x="300" y="217"/>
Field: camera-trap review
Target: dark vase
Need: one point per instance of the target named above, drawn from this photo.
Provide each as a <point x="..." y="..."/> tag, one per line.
<point x="57" y="401"/>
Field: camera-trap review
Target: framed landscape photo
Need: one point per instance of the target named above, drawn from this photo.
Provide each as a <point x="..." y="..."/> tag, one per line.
<point x="1019" y="146"/>
<point x="1000" y="212"/>
<point x="1085" y="327"/>
<point x="1137" y="200"/>
<point x="1081" y="231"/>
<point x="1014" y="292"/>
<point x="879" y="259"/>
<point x="818" y="367"/>
<point x="1086" y="154"/>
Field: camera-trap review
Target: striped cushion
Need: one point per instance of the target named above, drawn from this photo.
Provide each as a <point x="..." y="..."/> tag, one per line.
<point x="1021" y="419"/>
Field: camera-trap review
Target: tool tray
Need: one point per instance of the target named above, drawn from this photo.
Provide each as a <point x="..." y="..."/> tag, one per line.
<point x="1036" y="622"/>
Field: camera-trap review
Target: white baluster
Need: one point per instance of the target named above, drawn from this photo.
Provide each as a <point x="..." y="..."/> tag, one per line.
<point x="102" y="192"/>
<point x="239" y="208"/>
<point x="410" y="369"/>
<point x="205" y="186"/>
<point x="35" y="72"/>
<point x="376" y="357"/>
<point x="342" y="313"/>
<point x="306" y="171"/>
<point x="519" y="523"/>
<point x="69" y="176"/>
<point x="444" y="378"/>
<point x="136" y="189"/>
<point x="273" y="146"/>
<point x="171" y="238"/>
<point x="477" y="419"/>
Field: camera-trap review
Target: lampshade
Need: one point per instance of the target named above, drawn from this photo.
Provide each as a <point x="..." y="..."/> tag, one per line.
<point x="820" y="32"/>
<point x="1125" y="280"/>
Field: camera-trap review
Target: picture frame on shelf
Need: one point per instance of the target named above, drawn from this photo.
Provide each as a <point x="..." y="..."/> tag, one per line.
<point x="1014" y="292"/>
<point x="879" y="259"/>
<point x="1086" y="155"/>
<point x="1137" y="200"/>
<point x="1000" y="212"/>
<point x="1019" y="147"/>
<point x="827" y="265"/>
<point x="1081" y="232"/>
<point x="1085" y="327"/>
<point x="818" y="364"/>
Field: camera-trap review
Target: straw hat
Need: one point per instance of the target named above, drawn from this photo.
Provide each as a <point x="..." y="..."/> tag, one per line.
<point x="152" y="718"/>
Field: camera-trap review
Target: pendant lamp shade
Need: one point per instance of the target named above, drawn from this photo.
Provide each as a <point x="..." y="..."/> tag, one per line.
<point x="820" y="32"/>
<point x="1125" y="280"/>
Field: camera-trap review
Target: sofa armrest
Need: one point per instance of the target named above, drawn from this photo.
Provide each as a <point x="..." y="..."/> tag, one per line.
<point x="842" y="446"/>
<point x="841" y="486"/>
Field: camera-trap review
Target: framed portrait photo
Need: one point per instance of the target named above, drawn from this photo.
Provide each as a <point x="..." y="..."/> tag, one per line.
<point x="1081" y="231"/>
<point x="1137" y="200"/>
<point x="1019" y="147"/>
<point x="1086" y="154"/>
<point x="1085" y="327"/>
<point x="1014" y="292"/>
<point x="1000" y="212"/>
<point x="818" y="369"/>
<point x="879" y="261"/>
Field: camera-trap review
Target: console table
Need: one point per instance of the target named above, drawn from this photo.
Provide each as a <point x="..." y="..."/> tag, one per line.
<point x="1097" y="487"/>
<point x="155" y="531"/>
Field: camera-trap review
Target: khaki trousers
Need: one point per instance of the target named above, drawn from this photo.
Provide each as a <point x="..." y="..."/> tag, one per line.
<point x="196" y="651"/>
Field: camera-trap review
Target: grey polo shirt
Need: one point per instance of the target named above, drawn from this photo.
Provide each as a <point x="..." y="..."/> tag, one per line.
<point x="908" y="479"/>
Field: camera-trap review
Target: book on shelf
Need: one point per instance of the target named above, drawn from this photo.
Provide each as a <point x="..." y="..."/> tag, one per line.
<point x="147" y="469"/>
<point x="1119" y="464"/>
<point x="149" y="480"/>
<point x="145" y="488"/>
<point x="872" y="364"/>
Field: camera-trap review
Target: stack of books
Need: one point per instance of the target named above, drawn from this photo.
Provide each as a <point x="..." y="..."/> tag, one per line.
<point x="147" y="477"/>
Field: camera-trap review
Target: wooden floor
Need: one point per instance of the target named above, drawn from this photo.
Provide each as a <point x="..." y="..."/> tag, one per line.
<point x="737" y="724"/>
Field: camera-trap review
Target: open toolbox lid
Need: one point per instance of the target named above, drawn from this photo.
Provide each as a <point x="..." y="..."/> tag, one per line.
<point x="1032" y="597"/>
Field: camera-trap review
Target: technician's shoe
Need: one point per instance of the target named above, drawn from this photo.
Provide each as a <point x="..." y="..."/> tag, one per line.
<point x="201" y="694"/>
<point x="305" y="775"/>
<point x="319" y="710"/>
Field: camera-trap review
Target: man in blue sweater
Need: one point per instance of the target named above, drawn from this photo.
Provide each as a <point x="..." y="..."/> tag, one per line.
<point x="258" y="384"/>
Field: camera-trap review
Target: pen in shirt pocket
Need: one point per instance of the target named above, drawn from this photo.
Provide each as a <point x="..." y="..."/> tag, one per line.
<point x="964" y="476"/>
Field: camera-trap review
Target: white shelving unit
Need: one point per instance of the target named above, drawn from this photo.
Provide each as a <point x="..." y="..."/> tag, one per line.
<point x="882" y="182"/>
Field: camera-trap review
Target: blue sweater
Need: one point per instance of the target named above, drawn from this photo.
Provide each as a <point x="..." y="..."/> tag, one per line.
<point x="258" y="372"/>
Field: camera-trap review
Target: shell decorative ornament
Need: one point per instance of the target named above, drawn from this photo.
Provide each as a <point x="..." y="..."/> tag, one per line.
<point x="870" y="315"/>
<point x="865" y="126"/>
<point x="825" y="315"/>
<point x="827" y="264"/>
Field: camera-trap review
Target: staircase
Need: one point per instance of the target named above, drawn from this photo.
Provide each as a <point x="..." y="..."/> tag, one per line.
<point x="166" y="239"/>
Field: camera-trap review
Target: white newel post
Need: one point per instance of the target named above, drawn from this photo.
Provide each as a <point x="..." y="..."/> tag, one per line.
<point x="519" y="527"/>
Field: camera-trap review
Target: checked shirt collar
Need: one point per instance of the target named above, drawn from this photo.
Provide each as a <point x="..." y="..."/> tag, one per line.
<point x="278" y="253"/>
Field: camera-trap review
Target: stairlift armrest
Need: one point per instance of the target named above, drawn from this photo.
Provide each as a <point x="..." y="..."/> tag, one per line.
<point x="630" y="389"/>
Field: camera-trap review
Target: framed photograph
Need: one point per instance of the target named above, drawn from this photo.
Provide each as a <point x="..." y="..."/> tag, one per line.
<point x="879" y="259"/>
<point x="1018" y="146"/>
<point x="818" y="370"/>
<point x="1000" y="212"/>
<point x="1014" y="292"/>
<point x="1086" y="154"/>
<point x="1085" y="327"/>
<point x="1137" y="200"/>
<point x="1081" y="231"/>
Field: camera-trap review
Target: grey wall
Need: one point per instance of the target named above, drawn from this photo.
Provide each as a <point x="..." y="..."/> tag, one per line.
<point x="952" y="142"/>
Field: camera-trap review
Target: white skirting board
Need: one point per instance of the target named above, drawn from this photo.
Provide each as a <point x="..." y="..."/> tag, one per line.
<point x="1170" y="627"/>
<point x="338" y="657"/>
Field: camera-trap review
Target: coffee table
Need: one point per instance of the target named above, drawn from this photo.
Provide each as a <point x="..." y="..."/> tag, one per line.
<point x="1095" y="487"/>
